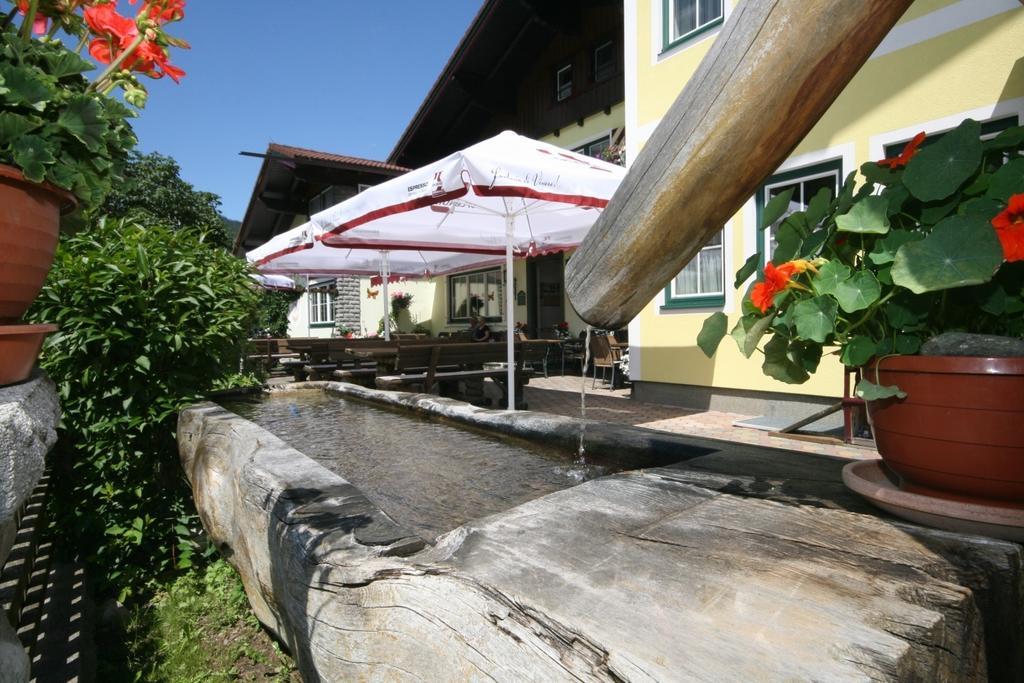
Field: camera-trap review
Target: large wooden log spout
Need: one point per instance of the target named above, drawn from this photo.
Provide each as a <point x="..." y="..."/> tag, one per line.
<point x="774" y="70"/>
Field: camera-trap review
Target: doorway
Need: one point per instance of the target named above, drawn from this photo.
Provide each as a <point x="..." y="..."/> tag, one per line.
<point x="545" y="284"/>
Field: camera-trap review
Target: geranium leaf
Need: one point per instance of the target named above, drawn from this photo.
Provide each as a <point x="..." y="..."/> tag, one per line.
<point x="783" y="361"/>
<point x="748" y="268"/>
<point x="815" y="318"/>
<point x="869" y="215"/>
<point x="774" y="209"/>
<point x="886" y="248"/>
<point x="24" y="87"/>
<point x="938" y="170"/>
<point x="869" y="391"/>
<point x="32" y="156"/>
<point x="960" y="251"/>
<point x="64" y="63"/>
<point x="13" y="126"/>
<point x="712" y="333"/>
<point x="1007" y="181"/>
<point x="859" y="292"/>
<point x="858" y="351"/>
<point x="83" y="118"/>
<point x="829" y="276"/>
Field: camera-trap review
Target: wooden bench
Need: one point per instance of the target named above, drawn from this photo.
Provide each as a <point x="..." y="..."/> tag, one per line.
<point x="448" y="364"/>
<point x="269" y="352"/>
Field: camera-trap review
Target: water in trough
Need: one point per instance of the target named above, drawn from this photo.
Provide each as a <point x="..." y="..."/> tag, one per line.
<point x="429" y="477"/>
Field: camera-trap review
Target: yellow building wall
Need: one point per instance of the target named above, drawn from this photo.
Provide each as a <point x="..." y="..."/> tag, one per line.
<point x="975" y="68"/>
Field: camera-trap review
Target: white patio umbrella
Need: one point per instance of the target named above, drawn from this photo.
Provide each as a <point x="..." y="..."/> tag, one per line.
<point x="506" y="195"/>
<point x="298" y="252"/>
<point x="279" y="282"/>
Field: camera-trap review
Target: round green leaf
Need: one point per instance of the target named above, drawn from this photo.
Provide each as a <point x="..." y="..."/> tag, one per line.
<point x="1007" y="181"/>
<point x="829" y="276"/>
<point x="961" y="250"/>
<point x="815" y="318"/>
<point x="869" y="391"/>
<point x="886" y="248"/>
<point x="869" y="215"/>
<point x="774" y="209"/>
<point x="784" y="361"/>
<point x="32" y="156"/>
<point x="712" y="332"/>
<point x="858" y="351"/>
<point x="939" y="169"/>
<point x="859" y="292"/>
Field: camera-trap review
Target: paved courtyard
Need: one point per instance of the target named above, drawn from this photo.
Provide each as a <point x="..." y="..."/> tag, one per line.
<point x="561" y="395"/>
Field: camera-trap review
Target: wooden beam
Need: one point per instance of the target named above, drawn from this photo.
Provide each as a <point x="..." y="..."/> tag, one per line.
<point x="773" y="71"/>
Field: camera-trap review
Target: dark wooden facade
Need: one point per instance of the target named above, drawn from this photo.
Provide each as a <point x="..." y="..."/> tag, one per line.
<point x="502" y="76"/>
<point x="290" y="178"/>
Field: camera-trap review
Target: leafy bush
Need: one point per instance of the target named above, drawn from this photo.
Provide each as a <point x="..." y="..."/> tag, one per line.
<point x="272" y="314"/>
<point x="150" y="318"/>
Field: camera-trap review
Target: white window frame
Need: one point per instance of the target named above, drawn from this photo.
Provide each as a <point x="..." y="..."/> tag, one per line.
<point x="610" y="45"/>
<point x="584" y="148"/>
<point x="321" y="306"/>
<point x="670" y="40"/>
<point x="682" y="297"/>
<point x="765" y="189"/>
<point x="559" y="97"/>
<point x="498" y="273"/>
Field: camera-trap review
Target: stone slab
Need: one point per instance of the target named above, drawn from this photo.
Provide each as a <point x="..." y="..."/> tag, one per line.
<point x="738" y="564"/>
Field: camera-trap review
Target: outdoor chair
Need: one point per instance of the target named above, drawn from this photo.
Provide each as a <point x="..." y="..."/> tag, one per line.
<point x="604" y="356"/>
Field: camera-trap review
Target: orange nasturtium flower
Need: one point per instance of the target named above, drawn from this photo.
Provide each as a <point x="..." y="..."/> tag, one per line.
<point x="904" y="157"/>
<point x="775" y="280"/>
<point x="1009" y="225"/>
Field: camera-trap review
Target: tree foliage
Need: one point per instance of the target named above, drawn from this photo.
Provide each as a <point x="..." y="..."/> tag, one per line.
<point x="150" y="317"/>
<point x="154" y="193"/>
<point x="272" y="313"/>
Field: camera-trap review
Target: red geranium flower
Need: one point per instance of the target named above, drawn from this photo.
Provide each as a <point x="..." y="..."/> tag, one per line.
<point x="40" y="24"/>
<point x="904" y="157"/>
<point x="775" y="280"/>
<point x="1009" y="225"/>
<point x="162" y="11"/>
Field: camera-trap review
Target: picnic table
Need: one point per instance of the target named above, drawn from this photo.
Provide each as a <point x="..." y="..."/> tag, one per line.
<point x="447" y="365"/>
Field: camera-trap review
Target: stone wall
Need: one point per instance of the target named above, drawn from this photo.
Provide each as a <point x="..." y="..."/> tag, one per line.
<point x="29" y="413"/>
<point x="740" y="563"/>
<point x="346" y="304"/>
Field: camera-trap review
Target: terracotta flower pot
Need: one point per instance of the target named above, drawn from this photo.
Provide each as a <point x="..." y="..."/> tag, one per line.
<point x="959" y="431"/>
<point x="19" y="346"/>
<point x="29" y="226"/>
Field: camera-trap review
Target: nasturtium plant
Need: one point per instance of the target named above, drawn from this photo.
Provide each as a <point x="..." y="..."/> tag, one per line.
<point x="930" y="241"/>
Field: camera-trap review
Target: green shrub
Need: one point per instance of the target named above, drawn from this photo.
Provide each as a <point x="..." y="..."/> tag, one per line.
<point x="272" y="314"/>
<point x="150" y="318"/>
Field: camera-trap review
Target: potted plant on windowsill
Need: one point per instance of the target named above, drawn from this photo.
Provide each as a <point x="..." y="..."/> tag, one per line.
<point x="63" y="139"/>
<point x="917" y="277"/>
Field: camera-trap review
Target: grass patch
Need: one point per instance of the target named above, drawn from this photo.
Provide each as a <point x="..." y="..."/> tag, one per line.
<point x="199" y="628"/>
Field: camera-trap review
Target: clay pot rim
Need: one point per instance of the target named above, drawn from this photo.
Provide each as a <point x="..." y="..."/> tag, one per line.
<point x="11" y="330"/>
<point x="68" y="201"/>
<point x="977" y="365"/>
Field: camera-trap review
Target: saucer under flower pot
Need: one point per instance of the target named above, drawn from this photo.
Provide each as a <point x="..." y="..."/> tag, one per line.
<point x="873" y="480"/>
<point x="19" y="346"/>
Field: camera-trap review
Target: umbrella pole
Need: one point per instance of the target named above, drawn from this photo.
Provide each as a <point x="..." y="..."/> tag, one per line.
<point x="509" y="322"/>
<point x="385" y="273"/>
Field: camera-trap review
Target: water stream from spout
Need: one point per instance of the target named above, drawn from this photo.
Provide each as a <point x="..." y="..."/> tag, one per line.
<point x="583" y="397"/>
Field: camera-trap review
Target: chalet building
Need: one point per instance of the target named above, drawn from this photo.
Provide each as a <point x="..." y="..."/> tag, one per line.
<point x="945" y="60"/>
<point x="294" y="183"/>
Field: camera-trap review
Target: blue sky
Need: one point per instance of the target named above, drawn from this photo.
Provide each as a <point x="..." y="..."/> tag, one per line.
<point x="339" y="76"/>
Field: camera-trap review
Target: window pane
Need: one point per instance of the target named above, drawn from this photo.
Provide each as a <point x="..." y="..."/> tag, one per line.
<point x="460" y="292"/>
<point x="711" y="270"/>
<point x="684" y="16"/>
<point x="794" y="205"/>
<point x="563" y="83"/>
<point x="709" y="11"/>
<point x="687" y="282"/>
<point x="604" y="62"/>
<point x="813" y="186"/>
